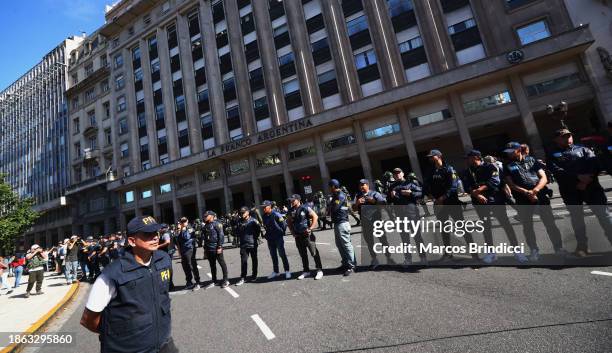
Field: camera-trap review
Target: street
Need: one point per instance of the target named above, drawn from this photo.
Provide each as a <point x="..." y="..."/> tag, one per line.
<point x="435" y="309"/>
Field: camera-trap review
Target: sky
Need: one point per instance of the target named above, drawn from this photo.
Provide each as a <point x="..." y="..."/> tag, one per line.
<point x="29" y="29"/>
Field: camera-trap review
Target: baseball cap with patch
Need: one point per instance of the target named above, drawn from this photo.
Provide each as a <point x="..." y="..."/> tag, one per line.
<point x="562" y="132"/>
<point x="512" y="146"/>
<point x="143" y="224"/>
<point x="434" y="153"/>
<point x="295" y="197"/>
<point x="266" y="203"/>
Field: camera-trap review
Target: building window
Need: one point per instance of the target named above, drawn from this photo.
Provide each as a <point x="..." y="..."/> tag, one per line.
<point x="430" y="118"/>
<point x="118" y="61"/>
<point x="291" y="89"/>
<point x="367" y="70"/>
<point x="127" y="170"/>
<point x="487" y="102"/>
<point x="238" y="167"/>
<point x="163" y="159"/>
<point x="77" y="150"/>
<point x="124" y="150"/>
<point x="89" y="69"/>
<point x="92" y="117"/>
<point x="93" y="143"/>
<point x="119" y="82"/>
<point x="104" y="86"/>
<point x="123" y="126"/>
<point x="121" y="104"/>
<point x="76" y="126"/>
<point x="302" y="152"/>
<point x="90" y="94"/>
<point x="212" y="175"/>
<point x="108" y="136"/>
<point x="533" y="32"/>
<point x="385" y="130"/>
<point x="165" y="188"/>
<point x="269" y="160"/>
<point x="327" y="83"/>
<point x="464" y="34"/>
<point x="339" y="142"/>
<point x="554" y="85"/>
<point x="129" y="196"/>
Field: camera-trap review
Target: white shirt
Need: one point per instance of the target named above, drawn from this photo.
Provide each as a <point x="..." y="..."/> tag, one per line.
<point x="102" y="292"/>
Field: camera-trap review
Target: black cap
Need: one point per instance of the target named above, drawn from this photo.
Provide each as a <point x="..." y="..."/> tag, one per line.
<point x="266" y="203"/>
<point x="244" y="209"/>
<point x="397" y="170"/>
<point x="144" y="224"/>
<point x="334" y="183"/>
<point x="511" y="147"/>
<point x="434" y="153"/>
<point x="474" y="153"/>
<point x="295" y="197"/>
<point x="210" y="213"/>
<point x="562" y="132"/>
<point x="364" y="181"/>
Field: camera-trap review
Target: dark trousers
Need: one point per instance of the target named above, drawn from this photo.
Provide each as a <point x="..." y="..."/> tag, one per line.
<point x="276" y="245"/>
<point x="213" y="258"/>
<point x="190" y="266"/>
<point x="244" y="257"/>
<point x="305" y="244"/>
<point x="443" y="212"/>
<point x="94" y="269"/>
<point x="368" y="232"/>
<point x="498" y="211"/>
<point x="595" y="197"/>
<point x="525" y="212"/>
<point x="35" y="277"/>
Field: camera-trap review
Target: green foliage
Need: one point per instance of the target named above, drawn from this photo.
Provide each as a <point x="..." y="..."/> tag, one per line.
<point x="16" y="216"/>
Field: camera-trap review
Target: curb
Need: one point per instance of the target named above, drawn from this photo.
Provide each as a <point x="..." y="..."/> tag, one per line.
<point x="44" y="319"/>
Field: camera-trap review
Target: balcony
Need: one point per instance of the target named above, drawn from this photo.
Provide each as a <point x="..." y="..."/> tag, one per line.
<point x="89" y="81"/>
<point x="91" y="182"/>
<point x="90" y="130"/>
<point x="90" y="154"/>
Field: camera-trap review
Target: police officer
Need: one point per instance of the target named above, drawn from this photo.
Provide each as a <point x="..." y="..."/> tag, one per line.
<point x="248" y="232"/>
<point x="365" y="197"/>
<point x="484" y="184"/>
<point x="442" y="187"/>
<point x="165" y="245"/>
<point x="301" y="223"/>
<point x="527" y="180"/>
<point x="212" y="233"/>
<point x="129" y="303"/>
<point x="276" y="226"/>
<point x="187" y="248"/>
<point x="339" y="211"/>
<point x="408" y="193"/>
<point x="576" y="169"/>
<point x="92" y="258"/>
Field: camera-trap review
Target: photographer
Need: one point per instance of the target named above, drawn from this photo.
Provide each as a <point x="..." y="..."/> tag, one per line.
<point x="71" y="263"/>
<point x="36" y="261"/>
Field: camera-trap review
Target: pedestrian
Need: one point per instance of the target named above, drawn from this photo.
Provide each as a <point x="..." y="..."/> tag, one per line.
<point x="248" y="232"/>
<point x="129" y="303"/>
<point x="576" y="169"/>
<point x="442" y="186"/>
<point x="339" y="211"/>
<point x="276" y="226"/>
<point x="71" y="261"/>
<point x="36" y="270"/>
<point x="408" y="193"/>
<point x="213" y="236"/>
<point x="302" y="222"/>
<point x="17" y="264"/>
<point x="187" y="250"/>
<point x="365" y="197"/>
<point x="527" y="180"/>
<point x="484" y="184"/>
<point x="4" y="267"/>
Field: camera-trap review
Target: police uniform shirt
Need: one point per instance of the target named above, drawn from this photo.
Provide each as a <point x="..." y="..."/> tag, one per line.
<point x="484" y="174"/>
<point x="567" y="164"/>
<point x="274" y="223"/>
<point x="417" y="192"/>
<point x="338" y="208"/>
<point x="213" y="235"/>
<point x="524" y="173"/>
<point x="443" y="181"/>
<point x="378" y="198"/>
<point x="300" y="218"/>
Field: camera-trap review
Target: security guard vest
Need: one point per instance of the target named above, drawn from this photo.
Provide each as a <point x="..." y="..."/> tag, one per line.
<point x="213" y="235"/>
<point x="138" y="318"/>
<point x="339" y="208"/>
<point x="300" y="218"/>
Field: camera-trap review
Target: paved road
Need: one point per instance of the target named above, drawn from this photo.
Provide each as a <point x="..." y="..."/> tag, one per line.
<point x="494" y="309"/>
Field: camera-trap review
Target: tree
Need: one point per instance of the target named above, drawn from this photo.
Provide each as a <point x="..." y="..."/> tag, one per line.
<point x="16" y="216"/>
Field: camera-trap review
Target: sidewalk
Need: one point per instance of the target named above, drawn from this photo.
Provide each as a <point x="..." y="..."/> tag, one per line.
<point x="26" y="315"/>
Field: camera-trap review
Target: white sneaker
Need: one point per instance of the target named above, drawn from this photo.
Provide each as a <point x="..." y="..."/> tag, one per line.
<point x="520" y="257"/>
<point x="196" y="287"/>
<point x="273" y="275"/>
<point x="319" y="274"/>
<point x="534" y="255"/>
<point x="287" y="275"/>
<point x="304" y="275"/>
<point x="374" y="264"/>
<point x="240" y="282"/>
<point x="489" y="258"/>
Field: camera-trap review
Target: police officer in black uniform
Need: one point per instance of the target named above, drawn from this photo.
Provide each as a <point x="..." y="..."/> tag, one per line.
<point x="408" y="193"/>
<point x="129" y="304"/>
<point x="301" y="223"/>
<point x="248" y="232"/>
<point x="484" y="184"/>
<point x="442" y="187"/>
<point x="276" y="226"/>
<point x="527" y="180"/>
<point x="212" y="234"/>
<point x="364" y="197"/>
<point x="187" y="248"/>
<point x="576" y="170"/>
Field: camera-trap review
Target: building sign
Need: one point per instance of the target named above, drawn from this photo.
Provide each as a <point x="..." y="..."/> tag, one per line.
<point x="515" y="56"/>
<point x="261" y="137"/>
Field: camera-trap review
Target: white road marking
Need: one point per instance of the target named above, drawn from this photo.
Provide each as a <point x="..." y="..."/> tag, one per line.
<point x="322" y="243"/>
<point x="227" y="289"/>
<point x="263" y="327"/>
<point x="199" y="267"/>
<point x="601" y="273"/>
